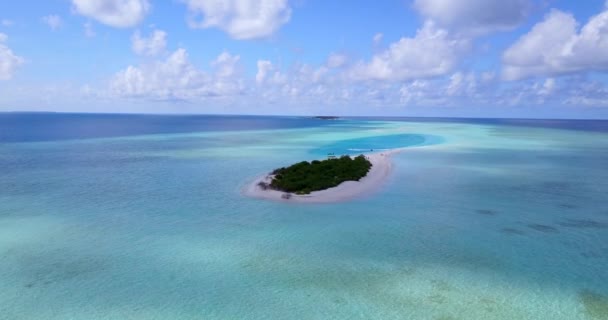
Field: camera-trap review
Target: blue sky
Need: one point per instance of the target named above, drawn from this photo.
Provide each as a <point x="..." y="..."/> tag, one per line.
<point x="480" y="58"/>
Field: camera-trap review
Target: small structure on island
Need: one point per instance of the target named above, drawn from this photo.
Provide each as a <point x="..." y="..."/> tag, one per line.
<point x="331" y="156"/>
<point x="264" y="185"/>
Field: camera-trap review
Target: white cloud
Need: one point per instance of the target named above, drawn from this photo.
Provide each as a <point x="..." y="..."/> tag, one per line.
<point x="307" y="74"/>
<point x="585" y="93"/>
<point x="9" y="62"/>
<point x="6" y="23"/>
<point x="267" y="73"/>
<point x="226" y="65"/>
<point x="115" y="13"/>
<point x="162" y="79"/>
<point x="462" y="84"/>
<point x="53" y="21"/>
<point x="177" y="78"/>
<point x="155" y="44"/>
<point x="301" y="84"/>
<point x="547" y="88"/>
<point x="241" y="19"/>
<point x="432" y="52"/>
<point x="264" y="67"/>
<point x="336" y="60"/>
<point x="477" y="16"/>
<point x="556" y="46"/>
<point x="420" y="93"/>
<point x="571" y="90"/>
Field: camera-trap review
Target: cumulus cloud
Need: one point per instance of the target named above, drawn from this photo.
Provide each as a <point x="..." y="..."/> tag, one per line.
<point x="152" y="45"/>
<point x="585" y="93"/>
<point x="421" y="93"/>
<point x="115" y="13"/>
<point x="458" y="89"/>
<point x="556" y="46"/>
<point x="9" y="62"/>
<point x="268" y="73"/>
<point x="477" y="16"/>
<point x="241" y="19"/>
<point x="415" y="71"/>
<point x="442" y="42"/>
<point x="301" y="84"/>
<point x="53" y="21"/>
<point x="570" y="90"/>
<point x="462" y="84"/>
<point x="264" y="67"/>
<point x="177" y="78"/>
<point x="432" y="52"/>
<point x="294" y="80"/>
<point x="226" y="65"/>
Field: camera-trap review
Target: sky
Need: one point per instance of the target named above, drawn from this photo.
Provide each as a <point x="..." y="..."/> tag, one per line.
<point x="445" y="58"/>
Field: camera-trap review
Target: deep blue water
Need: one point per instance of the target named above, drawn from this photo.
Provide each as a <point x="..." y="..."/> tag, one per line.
<point x="29" y="127"/>
<point x="565" y="124"/>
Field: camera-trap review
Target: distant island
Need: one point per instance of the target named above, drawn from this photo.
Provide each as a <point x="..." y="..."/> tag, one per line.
<point x="326" y="117"/>
<point x="305" y="177"/>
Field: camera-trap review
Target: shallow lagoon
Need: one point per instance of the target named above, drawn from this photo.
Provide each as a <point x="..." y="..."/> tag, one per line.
<point x="376" y="143"/>
<point x="490" y="221"/>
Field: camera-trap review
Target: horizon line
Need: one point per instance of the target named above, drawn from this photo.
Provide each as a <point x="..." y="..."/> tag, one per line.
<point x="298" y="116"/>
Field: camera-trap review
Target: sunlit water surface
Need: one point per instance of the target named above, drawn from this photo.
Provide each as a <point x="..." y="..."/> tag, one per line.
<point x="479" y="220"/>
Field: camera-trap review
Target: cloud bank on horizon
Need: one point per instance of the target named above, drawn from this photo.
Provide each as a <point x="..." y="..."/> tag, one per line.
<point x="417" y="57"/>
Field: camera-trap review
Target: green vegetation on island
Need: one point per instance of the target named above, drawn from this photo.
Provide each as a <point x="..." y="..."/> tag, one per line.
<point x="306" y="177"/>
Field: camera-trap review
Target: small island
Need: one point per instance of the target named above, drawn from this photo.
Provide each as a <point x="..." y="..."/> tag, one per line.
<point x="336" y="179"/>
<point x="305" y="177"/>
<point x="326" y="117"/>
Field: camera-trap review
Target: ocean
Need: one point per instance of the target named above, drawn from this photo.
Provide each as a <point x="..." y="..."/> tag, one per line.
<point x="142" y="217"/>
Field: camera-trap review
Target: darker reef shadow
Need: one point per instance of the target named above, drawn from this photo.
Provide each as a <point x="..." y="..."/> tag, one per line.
<point x="486" y="212"/>
<point x="584" y="224"/>
<point x="512" y="231"/>
<point x="567" y="206"/>
<point x="596" y="305"/>
<point x="543" y="228"/>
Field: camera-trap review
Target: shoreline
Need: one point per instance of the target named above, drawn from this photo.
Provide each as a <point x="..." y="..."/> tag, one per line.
<point x="348" y="190"/>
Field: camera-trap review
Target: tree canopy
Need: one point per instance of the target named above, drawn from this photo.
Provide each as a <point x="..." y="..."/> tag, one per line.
<point x="305" y="177"/>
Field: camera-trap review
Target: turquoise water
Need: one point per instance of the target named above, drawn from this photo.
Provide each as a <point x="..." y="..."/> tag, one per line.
<point x="477" y="221"/>
<point x="376" y="143"/>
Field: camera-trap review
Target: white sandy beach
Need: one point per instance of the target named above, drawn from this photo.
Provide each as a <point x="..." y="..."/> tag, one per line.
<point x="381" y="168"/>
